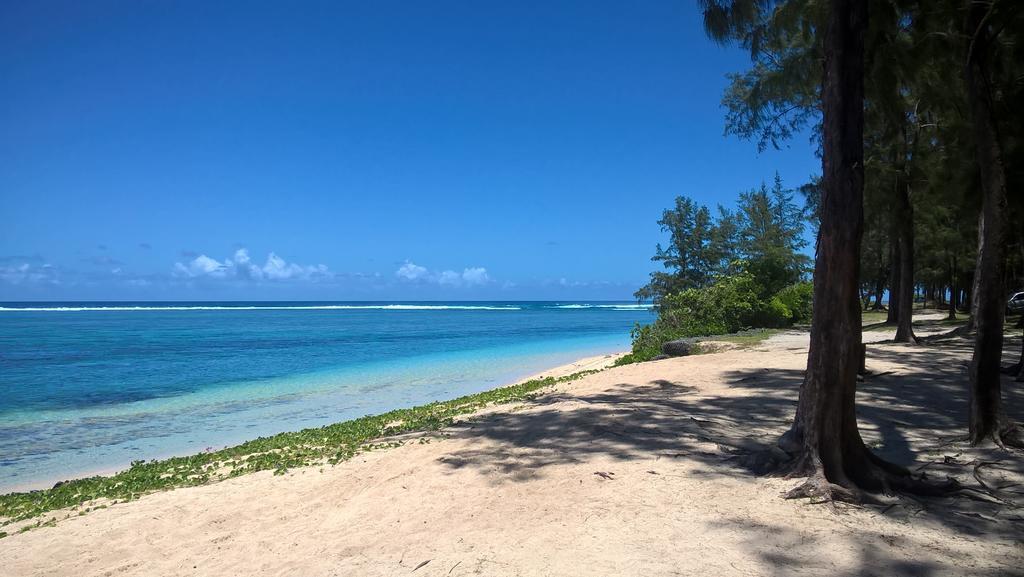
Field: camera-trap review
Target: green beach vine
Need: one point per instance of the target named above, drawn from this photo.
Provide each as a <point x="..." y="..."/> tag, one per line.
<point x="330" y="444"/>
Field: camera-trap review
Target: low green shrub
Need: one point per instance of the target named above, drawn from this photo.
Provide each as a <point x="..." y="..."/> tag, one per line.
<point x="647" y="341"/>
<point x="726" y="306"/>
<point x="733" y="303"/>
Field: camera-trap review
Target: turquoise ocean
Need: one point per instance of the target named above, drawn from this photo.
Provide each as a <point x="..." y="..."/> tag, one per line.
<point x="90" y="387"/>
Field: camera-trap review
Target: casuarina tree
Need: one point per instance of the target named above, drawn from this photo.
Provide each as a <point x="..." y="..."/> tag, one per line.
<point x="825" y="440"/>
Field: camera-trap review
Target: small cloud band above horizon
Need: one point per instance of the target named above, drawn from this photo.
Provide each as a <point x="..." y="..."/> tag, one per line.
<point x="469" y="277"/>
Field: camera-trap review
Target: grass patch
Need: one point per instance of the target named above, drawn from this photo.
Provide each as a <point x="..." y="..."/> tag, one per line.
<point x="745" y="339"/>
<point x="871" y="317"/>
<point x="749" y="338"/>
<point x="330" y="444"/>
<point x="880" y="325"/>
<point x="627" y="359"/>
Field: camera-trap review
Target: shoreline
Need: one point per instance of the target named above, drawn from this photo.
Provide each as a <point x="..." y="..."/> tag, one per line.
<point x="627" y="471"/>
<point x="586" y="363"/>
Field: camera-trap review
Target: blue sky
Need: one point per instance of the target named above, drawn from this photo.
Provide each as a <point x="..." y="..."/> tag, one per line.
<point x="198" y="150"/>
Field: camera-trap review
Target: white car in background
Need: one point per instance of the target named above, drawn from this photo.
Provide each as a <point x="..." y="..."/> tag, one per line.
<point x="1015" y="304"/>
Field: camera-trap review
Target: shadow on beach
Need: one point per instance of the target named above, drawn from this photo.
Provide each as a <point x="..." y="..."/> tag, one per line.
<point x="912" y="409"/>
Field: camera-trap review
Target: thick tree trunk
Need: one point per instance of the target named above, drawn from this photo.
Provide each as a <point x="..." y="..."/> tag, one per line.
<point x="986" y="417"/>
<point x="827" y="442"/>
<point x="826" y="420"/>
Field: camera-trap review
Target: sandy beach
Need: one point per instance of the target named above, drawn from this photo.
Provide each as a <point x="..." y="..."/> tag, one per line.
<point x="721" y="288"/>
<point x="635" y="470"/>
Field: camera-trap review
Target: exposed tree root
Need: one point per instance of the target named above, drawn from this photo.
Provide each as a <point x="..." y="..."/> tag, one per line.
<point x="864" y="478"/>
<point x="962" y="331"/>
<point x="870" y="478"/>
<point x="911" y="339"/>
<point x="820" y="491"/>
<point x="1010" y="436"/>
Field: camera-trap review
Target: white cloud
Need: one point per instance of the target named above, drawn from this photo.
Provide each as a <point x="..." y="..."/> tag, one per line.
<point x="241" y="266"/>
<point x="449" y="277"/>
<point x="411" y="271"/>
<point x="473" y="276"/>
<point x="202" y="265"/>
<point x="26" y="273"/>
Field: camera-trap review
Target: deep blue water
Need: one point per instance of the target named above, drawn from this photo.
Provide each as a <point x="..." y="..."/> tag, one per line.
<point x="87" y="387"/>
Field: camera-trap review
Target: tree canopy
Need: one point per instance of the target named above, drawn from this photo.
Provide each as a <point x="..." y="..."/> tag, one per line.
<point x="764" y="236"/>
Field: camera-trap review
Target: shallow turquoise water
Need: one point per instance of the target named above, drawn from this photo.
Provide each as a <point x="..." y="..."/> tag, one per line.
<point x="87" y="387"/>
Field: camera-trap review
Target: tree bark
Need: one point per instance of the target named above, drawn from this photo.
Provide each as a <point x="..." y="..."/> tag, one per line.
<point x="894" y="274"/>
<point x="879" y="289"/>
<point x="905" y="227"/>
<point x="952" y="289"/>
<point x="986" y="416"/>
<point x="974" y="289"/>
<point x="1020" y="363"/>
<point x="825" y="435"/>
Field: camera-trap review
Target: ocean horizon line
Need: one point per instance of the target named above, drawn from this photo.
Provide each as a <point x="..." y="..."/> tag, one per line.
<point x="415" y="301"/>
<point x="398" y="305"/>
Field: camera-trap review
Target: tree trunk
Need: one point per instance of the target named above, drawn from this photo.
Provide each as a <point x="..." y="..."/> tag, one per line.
<point x="879" y="289"/>
<point x="1020" y="363"/>
<point x="827" y="441"/>
<point x="972" y="291"/>
<point x="905" y="226"/>
<point x="986" y="417"/>
<point x="894" y="274"/>
<point x="1018" y="369"/>
<point x="952" y="289"/>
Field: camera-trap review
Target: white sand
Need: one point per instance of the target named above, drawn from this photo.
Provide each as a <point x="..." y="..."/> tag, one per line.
<point x="630" y="471"/>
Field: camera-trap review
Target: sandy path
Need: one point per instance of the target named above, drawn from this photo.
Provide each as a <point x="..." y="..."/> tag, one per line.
<point x="631" y="471"/>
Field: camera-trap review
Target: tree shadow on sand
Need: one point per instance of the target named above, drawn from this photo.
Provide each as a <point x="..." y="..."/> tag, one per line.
<point x="785" y="551"/>
<point x="913" y="412"/>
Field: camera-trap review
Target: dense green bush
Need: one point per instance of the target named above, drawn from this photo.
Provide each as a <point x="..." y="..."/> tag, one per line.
<point x="771" y="314"/>
<point x="798" y="298"/>
<point x="733" y="303"/>
<point x="726" y="306"/>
